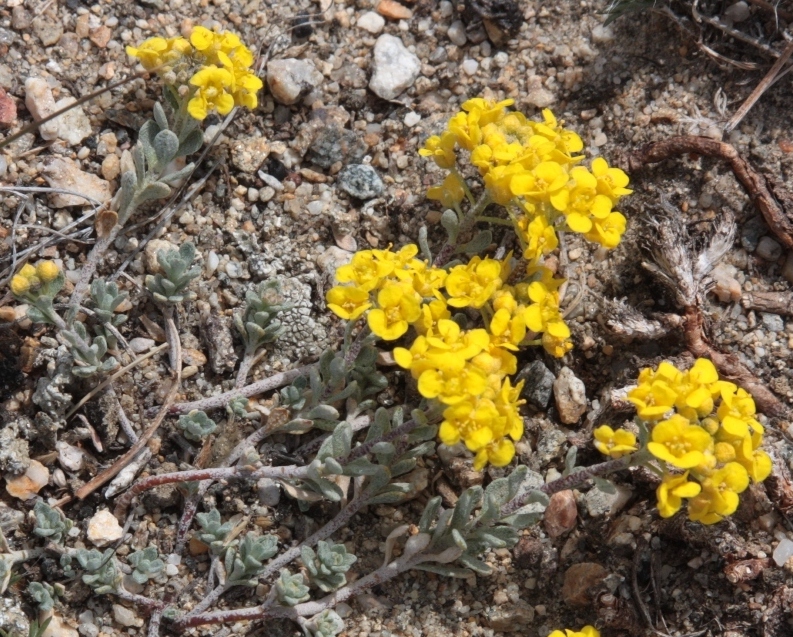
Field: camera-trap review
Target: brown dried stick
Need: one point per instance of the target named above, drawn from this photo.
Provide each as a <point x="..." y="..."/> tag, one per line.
<point x="774" y="202"/>
<point x="761" y="88"/>
<point x="774" y="302"/>
<point x="729" y="365"/>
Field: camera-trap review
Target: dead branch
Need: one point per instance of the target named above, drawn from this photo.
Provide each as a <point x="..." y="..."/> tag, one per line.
<point x="773" y="201"/>
<point x="774" y="302"/>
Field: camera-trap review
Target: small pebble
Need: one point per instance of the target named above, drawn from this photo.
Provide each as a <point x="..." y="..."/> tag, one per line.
<point x="470" y="66"/>
<point x="371" y="22"/>
<point x="360" y="181"/>
<point x="769" y="249"/>
<point x="783" y="552"/>
<point x="104" y="529"/>
<point x="393" y="10"/>
<point x="395" y="69"/>
<point x="412" y="118"/>
<point x="457" y="34"/>
<point x="289" y="79"/>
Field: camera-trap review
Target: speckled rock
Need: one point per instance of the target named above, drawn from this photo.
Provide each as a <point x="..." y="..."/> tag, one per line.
<point x="561" y="514"/>
<point x="290" y="79"/>
<point x="538" y="386"/>
<point x="395" y="68"/>
<point x="104" y="529"/>
<point x="66" y="174"/>
<point x="360" y="181"/>
<point x="570" y="394"/>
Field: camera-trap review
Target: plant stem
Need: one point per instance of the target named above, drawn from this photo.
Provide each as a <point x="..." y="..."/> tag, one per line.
<point x="216" y="473"/>
<point x="259" y="387"/>
<point x="577" y="478"/>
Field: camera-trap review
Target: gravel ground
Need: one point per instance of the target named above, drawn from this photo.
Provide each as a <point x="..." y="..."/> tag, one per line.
<point x="284" y="203"/>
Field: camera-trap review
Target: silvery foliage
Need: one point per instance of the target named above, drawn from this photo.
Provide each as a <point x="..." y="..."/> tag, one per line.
<point x="158" y="145"/>
<point x="375" y="477"/>
<point x="213" y="533"/>
<point x="196" y="425"/>
<point x="462" y="536"/>
<point x="245" y="561"/>
<point x="88" y="354"/>
<point x="147" y="564"/>
<point x="326" y="624"/>
<point x="51" y="524"/>
<point x="171" y="286"/>
<point x="453" y="221"/>
<point x="105" y="299"/>
<point x="257" y="324"/>
<point x="326" y="567"/>
<point x="333" y="380"/>
<point x="43" y="594"/>
<point x="290" y="590"/>
<point x="40" y="309"/>
<point x="101" y="571"/>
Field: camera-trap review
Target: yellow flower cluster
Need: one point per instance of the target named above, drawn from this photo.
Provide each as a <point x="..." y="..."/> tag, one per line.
<point x="586" y="631"/>
<point x="31" y="278"/>
<point x="705" y="427"/>
<point x="219" y="64"/>
<point x="466" y="370"/>
<point x="531" y="167"/>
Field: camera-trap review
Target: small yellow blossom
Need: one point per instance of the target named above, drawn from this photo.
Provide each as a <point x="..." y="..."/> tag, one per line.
<point x="397" y="306"/>
<point x="539" y="237"/>
<point x="611" y="181"/>
<point x="160" y="52"/>
<point x="499" y="453"/>
<point x="679" y="443"/>
<point x="347" y="302"/>
<point x="614" y="443"/>
<point x="20" y="285"/>
<point x="473" y="284"/>
<point x="364" y="270"/>
<point x="543" y="314"/>
<point x="452" y="381"/>
<point x="450" y="193"/>
<point x="672" y="490"/>
<point x="719" y="495"/>
<point x="441" y="149"/>
<point x="47" y="271"/>
<point x="586" y="631"/>
<point x="215" y="88"/>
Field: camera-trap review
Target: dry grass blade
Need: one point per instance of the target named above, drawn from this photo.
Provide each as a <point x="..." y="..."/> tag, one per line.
<point x="761" y="88"/>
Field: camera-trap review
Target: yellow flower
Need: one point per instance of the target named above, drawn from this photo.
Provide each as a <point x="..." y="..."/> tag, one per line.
<point x="452" y="382"/>
<point x="488" y="111"/>
<point x="508" y="330"/>
<point x="473" y="284"/>
<point x="450" y="193"/>
<point x="614" y="443"/>
<point x="608" y="232"/>
<point x="672" y="490"/>
<point x="586" y="631"/>
<point x="719" y="495"/>
<point x="655" y="396"/>
<point x="365" y="270"/>
<point x="498" y="182"/>
<point x="465" y="128"/>
<point x="213" y="93"/>
<point x="431" y="314"/>
<point x="20" y="285"/>
<point x="679" y="443"/>
<point x="397" y="307"/>
<point x="556" y="346"/>
<point x="158" y="51"/>
<point x="246" y="86"/>
<point x="547" y="182"/>
<point x="539" y="236"/>
<point x="27" y="271"/>
<point x="449" y="339"/>
<point x="47" y="271"/>
<point x="469" y="421"/>
<point x="347" y="302"/>
<point x="611" y="181"/>
<point x="543" y="314"/>
<point x="441" y="149"/>
<point x="498" y="453"/>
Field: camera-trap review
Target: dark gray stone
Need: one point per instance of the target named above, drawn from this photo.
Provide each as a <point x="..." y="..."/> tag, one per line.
<point x="539" y="384"/>
<point x="360" y="181"/>
<point x="334" y="144"/>
<point x="751" y="232"/>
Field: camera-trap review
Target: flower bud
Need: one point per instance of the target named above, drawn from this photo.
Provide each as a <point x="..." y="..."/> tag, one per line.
<point x="47" y="271"/>
<point x="19" y="285"/>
